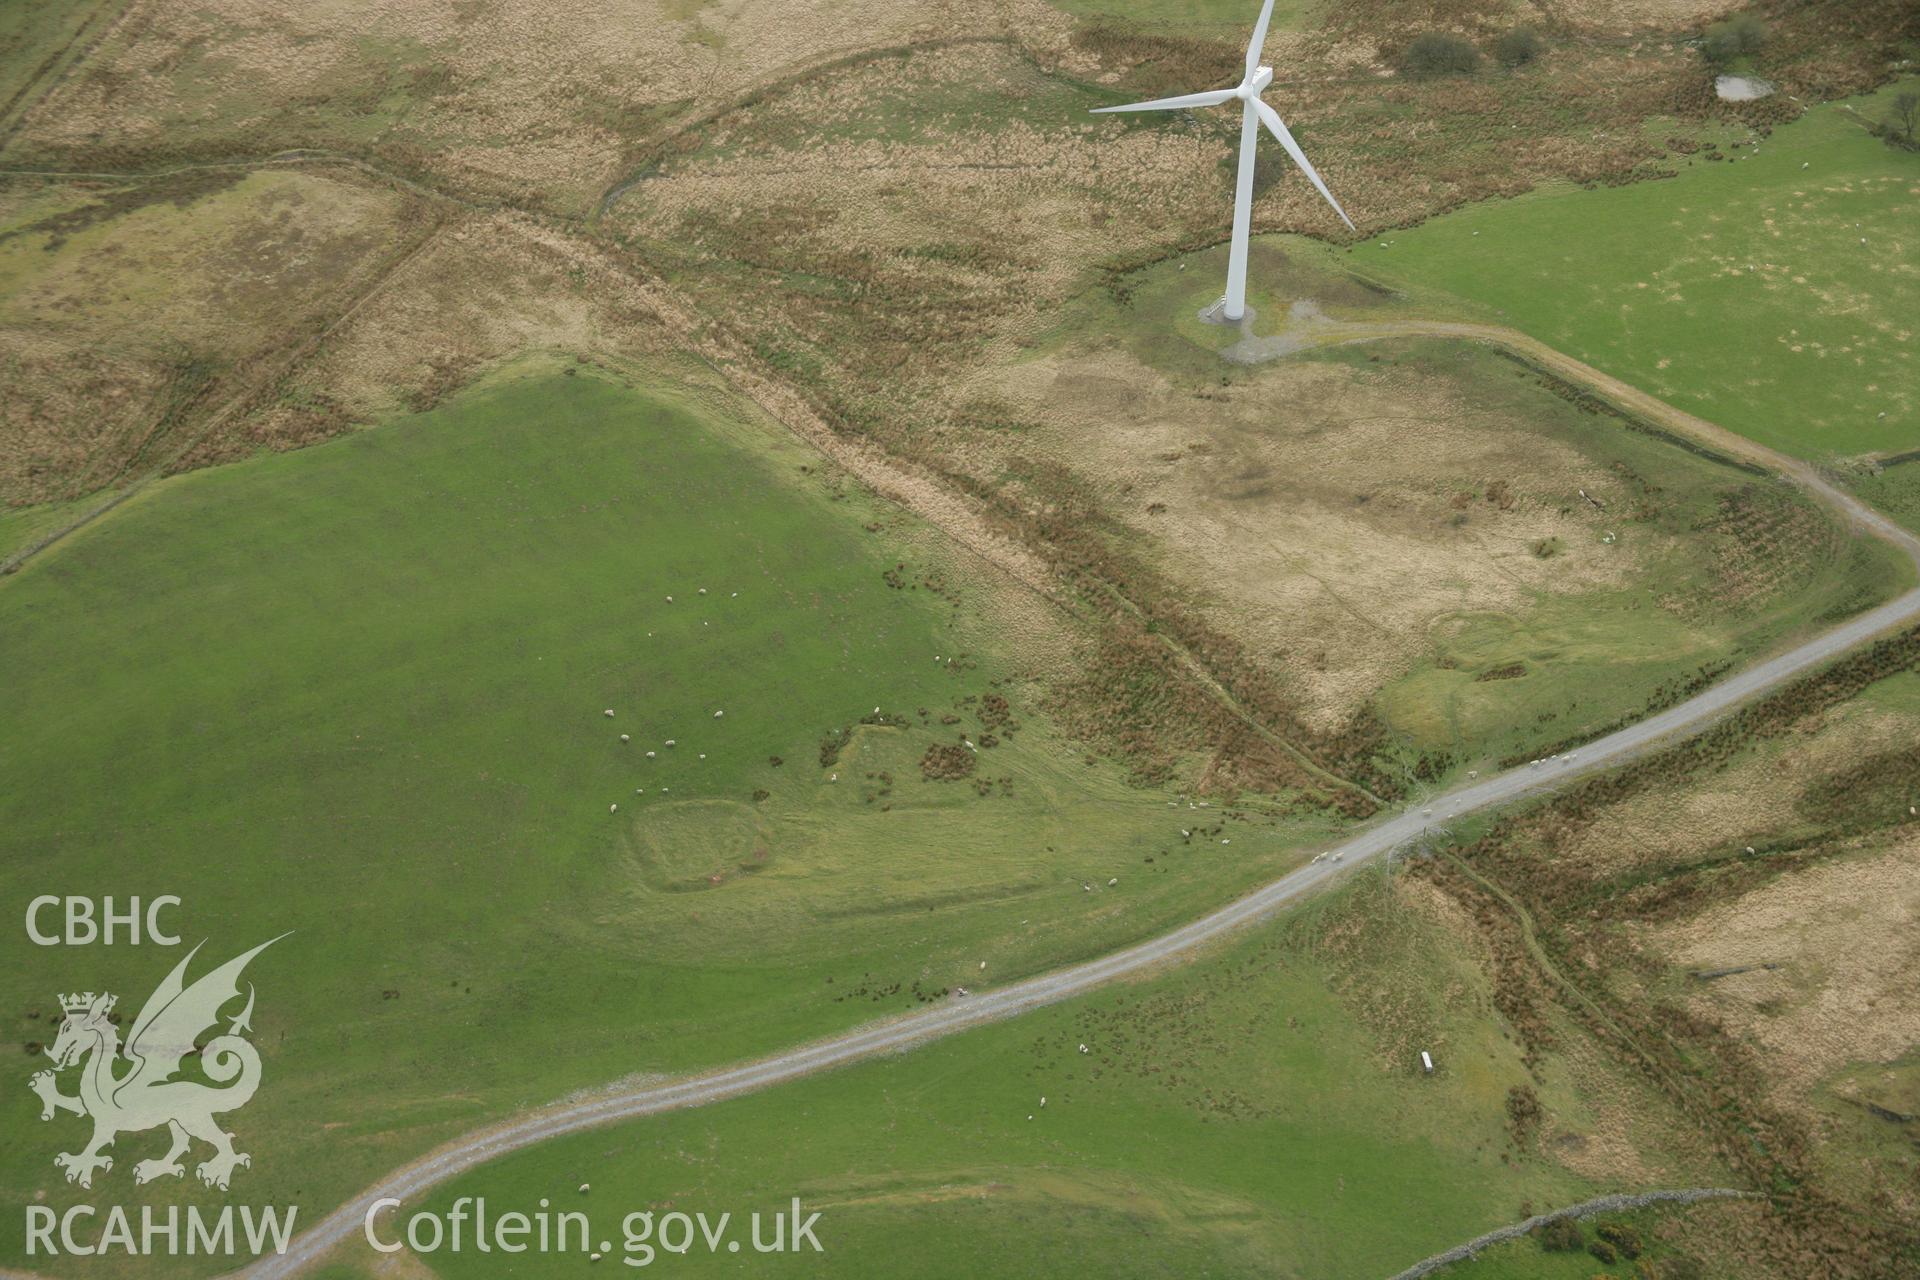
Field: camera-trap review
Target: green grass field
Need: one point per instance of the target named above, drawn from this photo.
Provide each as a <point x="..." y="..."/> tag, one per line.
<point x="1258" y="1112"/>
<point x="1772" y="292"/>
<point x="357" y="692"/>
<point x="1894" y="490"/>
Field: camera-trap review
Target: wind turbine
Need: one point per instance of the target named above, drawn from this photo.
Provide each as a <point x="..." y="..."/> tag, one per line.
<point x="1253" y="114"/>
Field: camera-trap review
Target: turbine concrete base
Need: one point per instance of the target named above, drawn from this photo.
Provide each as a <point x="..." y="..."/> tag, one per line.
<point x="1216" y="313"/>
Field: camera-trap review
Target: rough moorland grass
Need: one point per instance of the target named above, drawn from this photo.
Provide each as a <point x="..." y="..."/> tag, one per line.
<point x="357" y="692"/>
<point x="1206" y="17"/>
<point x="1728" y="563"/>
<point x="37" y="37"/>
<point x="1745" y="567"/>
<point x="1231" y="1118"/>
<point x="1772" y="292"/>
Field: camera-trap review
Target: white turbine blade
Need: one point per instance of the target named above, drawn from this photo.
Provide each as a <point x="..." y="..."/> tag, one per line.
<point x="1211" y="98"/>
<point x="1272" y="120"/>
<point x="1259" y="41"/>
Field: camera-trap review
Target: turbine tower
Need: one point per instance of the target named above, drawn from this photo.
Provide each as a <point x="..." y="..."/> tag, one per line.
<point x="1253" y="114"/>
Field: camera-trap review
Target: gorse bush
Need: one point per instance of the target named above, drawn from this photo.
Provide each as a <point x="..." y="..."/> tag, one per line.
<point x="1739" y="36"/>
<point x="1438" y="54"/>
<point x="1518" y="47"/>
<point x="1562" y="1235"/>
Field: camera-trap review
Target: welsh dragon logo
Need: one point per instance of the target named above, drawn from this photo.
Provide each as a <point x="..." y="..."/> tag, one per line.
<point x="148" y="1094"/>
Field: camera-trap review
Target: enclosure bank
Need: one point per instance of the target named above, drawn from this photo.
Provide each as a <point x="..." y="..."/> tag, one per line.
<point x="84" y="1231"/>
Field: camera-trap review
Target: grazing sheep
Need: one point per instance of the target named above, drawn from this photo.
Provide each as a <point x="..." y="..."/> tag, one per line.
<point x="613" y="808"/>
<point x="609" y="713"/>
<point x="718" y="714"/>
